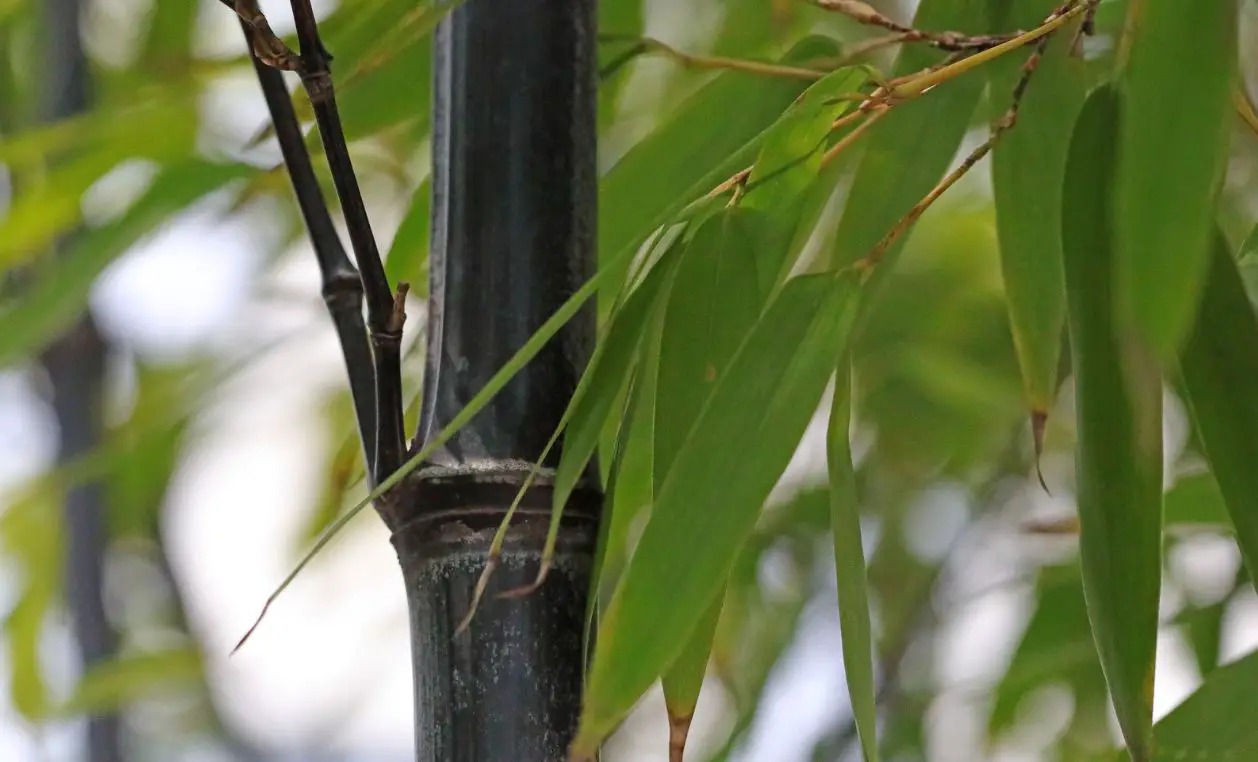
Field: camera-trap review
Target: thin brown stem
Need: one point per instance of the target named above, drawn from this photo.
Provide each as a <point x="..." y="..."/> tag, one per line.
<point x="651" y="45"/>
<point x="1002" y="125"/>
<point x="864" y="13"/>
<point x="850" y="138"/>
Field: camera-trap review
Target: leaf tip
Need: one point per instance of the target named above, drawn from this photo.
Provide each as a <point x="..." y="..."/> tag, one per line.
<point x="1039" y="422"/>
<point x="532" y="587"/>
<point x="249" y="632"/>
<point x="477" y="594"/>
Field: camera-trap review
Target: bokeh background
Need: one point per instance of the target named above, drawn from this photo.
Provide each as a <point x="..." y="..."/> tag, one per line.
<point x="228" y="442"/>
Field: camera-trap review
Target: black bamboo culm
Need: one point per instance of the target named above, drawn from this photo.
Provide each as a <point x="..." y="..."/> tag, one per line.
<point x="75" y="365"/>
<point x="514" y="195"/>
<point x="513" y="215"/>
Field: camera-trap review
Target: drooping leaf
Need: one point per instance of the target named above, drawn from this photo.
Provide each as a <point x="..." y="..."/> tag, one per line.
<point x="910" y="150"/>
<point x="683" y="681"/>
<point x="603" y="381"/>
<point x="714" y="302"/>
<point x="1174" y="142"/>
<point x="1119" y="422"/>
<point x="708" y="504"/>
<point x="114" y="683"/>
<point x="849" y="560"/>
<point x="1028" y="165"/>
<point x="1219" y="364"/>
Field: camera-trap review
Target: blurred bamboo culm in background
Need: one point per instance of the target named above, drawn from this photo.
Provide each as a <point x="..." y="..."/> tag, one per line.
<point x="75" y="365"/>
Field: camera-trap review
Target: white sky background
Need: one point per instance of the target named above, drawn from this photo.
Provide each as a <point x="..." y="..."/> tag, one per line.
<point x="330" y="667"/>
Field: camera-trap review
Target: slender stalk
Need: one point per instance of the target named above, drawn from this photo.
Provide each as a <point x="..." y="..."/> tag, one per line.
<point x="342" y="287"/>
<point x="385" y="312"/>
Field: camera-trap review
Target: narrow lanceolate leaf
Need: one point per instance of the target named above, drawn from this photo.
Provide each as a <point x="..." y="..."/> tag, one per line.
<point x="1171" y="158"/>
<point x="602" y="385"/>
<point x="790" y="160"/>
<point x="1028" y="164"/>
<point x="708" y="138"/>
<point x="1119" y="418"/>
<point x="709" y="502"/>
<point x="1220" y="366"/>
<point x="849" y="562"/>
<point x="1216" y="722"/>
<point x="622" y="19"/>
<point x="713" y="305"/>
<point x="910" y="150"/>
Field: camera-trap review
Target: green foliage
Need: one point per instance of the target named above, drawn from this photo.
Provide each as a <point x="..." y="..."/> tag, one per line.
<point x="1119" y="455"/>
<point x="745" y="181"/>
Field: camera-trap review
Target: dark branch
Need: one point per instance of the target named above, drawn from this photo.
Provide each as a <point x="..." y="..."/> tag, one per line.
<point x="342" y="288"/>
<point x="384" y="314"/>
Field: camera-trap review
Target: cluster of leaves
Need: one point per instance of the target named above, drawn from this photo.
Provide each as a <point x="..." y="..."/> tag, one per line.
<point x="735" y="294"/>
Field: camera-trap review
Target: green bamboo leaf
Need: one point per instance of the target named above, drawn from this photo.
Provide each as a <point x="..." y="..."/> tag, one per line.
<point x="602" y="384"/>
<point x="1219" y="365"/>
<point x="407" y="259"/>
<point x="630" y="488"/>
<point x="624" y="19"/>
<point x="115" y="683"/>
<point x="1119" y="422"/>
<point x="683" y="682"/>
<point x="58" y="293"/>
<point x="912" y="147"/>
<point x="790" y="160"/>
<point x="689" y="154"/>
<point x="1216" y="722"/>
<point x="849" y="560"/>
<point x="713" y="304"/>
<point x="1175" y="131"/>
<point x="1028" y="165"/>
<point x="708" y="504"/>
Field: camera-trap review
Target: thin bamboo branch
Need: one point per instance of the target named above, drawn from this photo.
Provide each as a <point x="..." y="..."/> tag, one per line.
<point x="385" y="312"/>
<point x="342" y="287"/>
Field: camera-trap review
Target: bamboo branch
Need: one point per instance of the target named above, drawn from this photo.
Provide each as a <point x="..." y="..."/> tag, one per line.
<point x="342" y="287"/>
<point x="1002" y="125"/>
<point x="385" y="313"/>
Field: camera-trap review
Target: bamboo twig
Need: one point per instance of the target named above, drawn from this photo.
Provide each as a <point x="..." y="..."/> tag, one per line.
<point x="342" y="286"/>
<point x="385" y="313"/>
<point x="1006" y="122"/>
